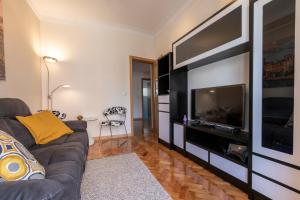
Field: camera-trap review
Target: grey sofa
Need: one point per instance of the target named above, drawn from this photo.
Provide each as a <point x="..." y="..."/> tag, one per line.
<point x="64" y="159"/>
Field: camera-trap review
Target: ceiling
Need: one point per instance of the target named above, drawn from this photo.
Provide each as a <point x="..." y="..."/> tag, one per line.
<point x="146" y="16"/>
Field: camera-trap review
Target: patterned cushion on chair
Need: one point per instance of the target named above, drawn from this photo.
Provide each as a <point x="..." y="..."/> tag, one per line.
<point x="116" y="122"/>
<point x="117" y="110"/>
<point x="16" y="163"/>
<point x="104" y="123"/>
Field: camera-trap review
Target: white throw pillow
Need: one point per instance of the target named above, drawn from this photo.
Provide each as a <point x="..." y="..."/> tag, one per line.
<point x="16" y="162"/>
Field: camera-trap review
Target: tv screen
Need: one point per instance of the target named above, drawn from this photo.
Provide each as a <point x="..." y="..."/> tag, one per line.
<point x="220" y="105"/>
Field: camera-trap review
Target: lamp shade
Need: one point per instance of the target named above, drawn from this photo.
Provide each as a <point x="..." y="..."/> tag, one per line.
<point x="66" y="86"/>
<point x="50" y="59"/>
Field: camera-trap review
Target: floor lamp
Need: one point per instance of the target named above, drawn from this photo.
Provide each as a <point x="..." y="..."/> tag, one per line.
<point x="48" y="59"/>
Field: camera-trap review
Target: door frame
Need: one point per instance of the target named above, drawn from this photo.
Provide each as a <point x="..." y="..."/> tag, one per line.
<point x="153" y="72"/>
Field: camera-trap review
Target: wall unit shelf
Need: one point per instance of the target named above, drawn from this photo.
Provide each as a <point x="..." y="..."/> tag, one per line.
<point x="164" y="67"/>
<point x="200" y="135"/>
<point x="241" y="137"/>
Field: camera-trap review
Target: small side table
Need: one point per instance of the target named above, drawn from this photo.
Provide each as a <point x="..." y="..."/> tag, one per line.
<point x="91" y="119"/>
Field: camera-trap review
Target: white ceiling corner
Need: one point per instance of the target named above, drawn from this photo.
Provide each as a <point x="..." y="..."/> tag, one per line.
<point x="33" y="8"/>
<point x="146" y="17"/>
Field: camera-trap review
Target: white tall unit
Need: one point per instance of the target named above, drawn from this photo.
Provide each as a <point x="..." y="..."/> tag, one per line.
<point x="163" y="71"/>
<point x="275" y="100"/>
<point x="164" y="119"/>
<point x="178" y="135"/>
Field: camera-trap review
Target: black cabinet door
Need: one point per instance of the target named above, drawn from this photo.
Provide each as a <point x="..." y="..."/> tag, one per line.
<point x="273" y="76"/>
<point x="278" y="75"/>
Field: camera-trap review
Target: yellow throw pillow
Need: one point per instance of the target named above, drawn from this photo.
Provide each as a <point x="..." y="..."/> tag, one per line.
<point x="16" y="163"/>
<point x="44" y="127"/>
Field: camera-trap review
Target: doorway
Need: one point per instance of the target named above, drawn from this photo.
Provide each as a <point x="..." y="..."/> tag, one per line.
<point x="142" y="96"/>
<point x="146" y="104"/>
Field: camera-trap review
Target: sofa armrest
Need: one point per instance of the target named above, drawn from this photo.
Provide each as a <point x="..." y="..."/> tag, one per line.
<point x="43" y="189"/>
<point x="77" y="125"/>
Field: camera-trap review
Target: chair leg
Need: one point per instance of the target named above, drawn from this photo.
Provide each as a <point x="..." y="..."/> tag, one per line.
<point x="100" y="131"/>
<point x="126" y="130"/>
<point x="126" y="141"/>
<point x="100" y="134"/>
<point x="110" y="130"/>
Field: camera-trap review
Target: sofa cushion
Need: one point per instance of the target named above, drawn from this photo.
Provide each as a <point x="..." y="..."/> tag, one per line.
<point x="69" y="175"/>
<point x="18" y="131"/>
<point x="71" y="151"/>
<point x="11" y="108"/>
<point x="80" y="137"/>
<point x="32" y="190"/>
<point x="16" y="163"/>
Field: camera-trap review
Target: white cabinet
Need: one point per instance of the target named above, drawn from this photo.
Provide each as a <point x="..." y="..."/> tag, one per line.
<point x="164" y="107"/>
<point x="164" y="118"/>
<point x="229" y="167"/>
<point x="164" y="99"/>
<point x="164" y="126"/>
<point x="197" y="151"/>
<point x="178" y="135"/>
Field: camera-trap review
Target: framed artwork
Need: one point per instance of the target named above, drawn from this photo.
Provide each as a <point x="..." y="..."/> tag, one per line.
<point x="2" y="61"/>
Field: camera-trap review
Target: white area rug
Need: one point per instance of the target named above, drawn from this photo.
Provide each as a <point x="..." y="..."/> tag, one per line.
<point x="120" y="177"/>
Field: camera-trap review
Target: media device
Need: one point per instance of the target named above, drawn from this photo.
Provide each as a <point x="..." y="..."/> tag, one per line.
<point x="222" y="106"/>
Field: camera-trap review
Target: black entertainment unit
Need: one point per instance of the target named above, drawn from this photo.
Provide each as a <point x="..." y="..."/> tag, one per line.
<point x="209" y="147"/>
<point x="265" y="29"/>
<point x="221" y="146"/>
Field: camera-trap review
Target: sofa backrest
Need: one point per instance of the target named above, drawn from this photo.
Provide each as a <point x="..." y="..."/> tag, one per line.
<point x="9" y="109"/>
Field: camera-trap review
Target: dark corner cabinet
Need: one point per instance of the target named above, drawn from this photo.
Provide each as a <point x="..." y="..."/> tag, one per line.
<point x="172" y="100"/>
<point x="276" y="141"/>
<point x="164" y="67"/>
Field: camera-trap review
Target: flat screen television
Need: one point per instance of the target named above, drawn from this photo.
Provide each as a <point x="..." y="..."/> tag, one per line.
<point x="221" y="105"/>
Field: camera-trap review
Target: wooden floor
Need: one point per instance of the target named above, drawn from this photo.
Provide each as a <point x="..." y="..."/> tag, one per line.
<point x="181" y="178"/>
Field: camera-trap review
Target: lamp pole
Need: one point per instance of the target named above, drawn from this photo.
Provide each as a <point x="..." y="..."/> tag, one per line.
<point x="48" y="59"/>
<point x="48" y="83"/>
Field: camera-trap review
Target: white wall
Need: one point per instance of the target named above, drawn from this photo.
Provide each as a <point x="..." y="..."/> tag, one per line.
<point x="21" y="41"/>
<point x="140" y="71"/>
<point x="94" y="60"/>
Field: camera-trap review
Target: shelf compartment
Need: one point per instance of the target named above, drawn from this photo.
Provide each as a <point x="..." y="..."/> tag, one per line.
<point x="242" y="137"/>
<point x="165" y="64"/>
<point x="214" y="144"/>
<point x="163" y="85"/>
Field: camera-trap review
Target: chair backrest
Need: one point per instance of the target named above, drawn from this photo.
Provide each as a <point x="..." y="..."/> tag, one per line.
<point x="116" y="110"/>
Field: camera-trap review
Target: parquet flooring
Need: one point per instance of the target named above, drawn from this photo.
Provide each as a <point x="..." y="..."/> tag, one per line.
<point x="181" y="177"/>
